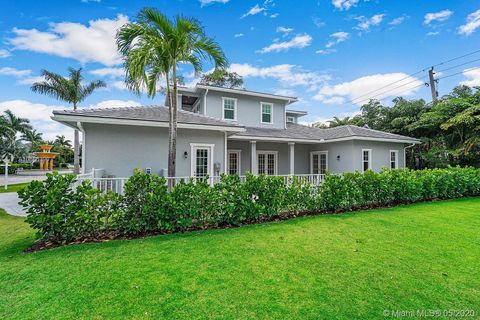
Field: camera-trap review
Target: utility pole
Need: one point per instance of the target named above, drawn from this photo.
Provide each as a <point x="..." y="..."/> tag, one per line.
<point x="432" y="85"/>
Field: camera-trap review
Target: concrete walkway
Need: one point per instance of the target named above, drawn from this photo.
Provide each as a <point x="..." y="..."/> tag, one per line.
<point x="15" y="179"/>
<point x="9" y="202"/>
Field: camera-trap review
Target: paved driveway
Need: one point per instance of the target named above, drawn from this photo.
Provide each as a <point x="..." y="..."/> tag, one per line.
<point x="9" y="202"/>
<point x="14" y="179"/>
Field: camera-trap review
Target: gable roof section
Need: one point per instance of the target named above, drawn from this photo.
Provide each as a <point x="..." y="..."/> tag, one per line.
<point x="145" y="115"/>
<point x="301" y="133"/>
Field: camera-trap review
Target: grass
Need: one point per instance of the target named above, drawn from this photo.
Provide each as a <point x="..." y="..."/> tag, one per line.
<point x="13" y="187"/>
<point x="355" y="265"/>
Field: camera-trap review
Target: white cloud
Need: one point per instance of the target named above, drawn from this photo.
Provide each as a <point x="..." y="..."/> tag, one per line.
<point x="4" y="53"/>
<point x="433" y="33"/>
<point x="253" y="11"/>
<point x="473" y="75"/>
<point x="299" y="41"/>
<point x="108" y="72"/>
<point x="326" y="51"/>
<point x="366" y="23"/>
<point x="115" y="104"/>
<point x="208" y="2"/>
<point x="30" y="80"/>
<point x="338" y="37"/>
<point x="473" y="22"/>
<point x="238" y="35"/>
<point x="39" y="115"/>
<point x="359" y="87"/>
<point x="288" y="74"/>
<point x="92" y="43"/>
<point x="437" y="16"/>
<point x="274" y="15"/>
<point x="397" y="21"/>
<point x="7" y="71"/>
<point x="284" y="29"/>
<point x="344" y="4"/>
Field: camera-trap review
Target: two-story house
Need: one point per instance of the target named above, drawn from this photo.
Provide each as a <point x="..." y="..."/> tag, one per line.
<point x="231" y="131"/>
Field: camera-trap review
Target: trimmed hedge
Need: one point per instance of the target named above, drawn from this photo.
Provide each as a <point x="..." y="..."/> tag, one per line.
<point x="63" y="214"/>
<point x="13" y="167"/>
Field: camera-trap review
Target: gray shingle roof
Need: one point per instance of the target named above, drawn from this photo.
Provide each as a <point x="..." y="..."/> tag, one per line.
<point x="147" y="113"/>
<point x="297" y="131"/>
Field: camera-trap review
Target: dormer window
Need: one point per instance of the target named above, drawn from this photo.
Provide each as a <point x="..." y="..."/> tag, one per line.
<point x="267" y="110"/>
<point x="229" y="109"/>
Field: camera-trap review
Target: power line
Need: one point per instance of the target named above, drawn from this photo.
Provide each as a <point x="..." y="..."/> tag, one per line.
<point x="456" y="73"/>
<point x="458" y="65"/>
<point x="357" y="99"/>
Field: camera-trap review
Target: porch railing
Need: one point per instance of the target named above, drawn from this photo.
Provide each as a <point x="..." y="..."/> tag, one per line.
<point x="117" y="185"/>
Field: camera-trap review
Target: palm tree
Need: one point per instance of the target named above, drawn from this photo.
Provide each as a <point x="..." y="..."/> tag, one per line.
<point x="153" y="47"/>
<point x="62" y="142"/>
<point x="69" y="90"/>
<point x="16" y="124"/>
<point x="336" y="122"/>
<point x="33" y="137"/>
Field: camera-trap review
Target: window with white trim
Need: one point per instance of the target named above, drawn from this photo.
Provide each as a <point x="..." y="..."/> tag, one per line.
<point x="366" y="159"/>
<point x="393" y="159"/>
<point x="267" y="162"/>
<point x="234" y="162"/>
<point x="267" y="111"/>
<point x="229" y="109"/>
<point x="290" y="119"/>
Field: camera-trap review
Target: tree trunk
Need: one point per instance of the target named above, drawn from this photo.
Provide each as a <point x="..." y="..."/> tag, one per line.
<point x="76" y="158"/>
<point x="172" y="128"/>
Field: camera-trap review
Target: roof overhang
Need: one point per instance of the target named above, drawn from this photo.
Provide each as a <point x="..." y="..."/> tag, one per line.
<point x="72" y="121"/>
<point x="299" y="140"/>
<point x="249" y="93"/>
<point x="296" y="112"/>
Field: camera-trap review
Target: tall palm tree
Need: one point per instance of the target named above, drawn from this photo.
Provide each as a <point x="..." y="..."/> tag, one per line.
<point x="69" y="90"/>
<point x="33" y="137"/>
<point x="153" y="47"/>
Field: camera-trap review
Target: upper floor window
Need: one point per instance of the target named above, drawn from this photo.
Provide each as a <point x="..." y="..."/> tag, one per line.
<point x="229" y="109"/>
<point x="366" y="159"/>
<point x="393" y="159"/>
<point x="267" y="110"/>
<point x="290" y="119"/>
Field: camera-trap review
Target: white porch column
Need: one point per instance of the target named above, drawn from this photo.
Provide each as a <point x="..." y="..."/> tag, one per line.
<point x="253" y="158"/>
<point x="291" y="157"/>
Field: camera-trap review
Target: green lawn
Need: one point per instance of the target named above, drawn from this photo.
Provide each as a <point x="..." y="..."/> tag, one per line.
<point x="350" y="266"/>
<point x="13" y="187"/>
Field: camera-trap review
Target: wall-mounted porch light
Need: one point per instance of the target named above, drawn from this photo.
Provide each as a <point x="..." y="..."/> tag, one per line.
<point x="185" y="154"/>
<point x="338" y="158"/>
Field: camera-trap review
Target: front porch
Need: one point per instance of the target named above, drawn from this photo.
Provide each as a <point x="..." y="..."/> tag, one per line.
<point x="275" y="158"/>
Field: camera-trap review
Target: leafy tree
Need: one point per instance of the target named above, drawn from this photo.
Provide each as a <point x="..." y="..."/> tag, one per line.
<point x="153" y="47"/>
<point x="11" y="126"/>
<point x="70" y="90"/>
<point x="33" y="137"/>
<point x="222" y="78"/>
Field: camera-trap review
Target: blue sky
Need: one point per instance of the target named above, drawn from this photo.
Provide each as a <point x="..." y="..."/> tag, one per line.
<point x="330" y="53"/>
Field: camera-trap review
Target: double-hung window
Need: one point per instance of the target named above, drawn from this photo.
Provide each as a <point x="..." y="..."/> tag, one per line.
<point x="229" y="109"/>
<point x="267" y="112"/>
<point x="393" y="159"/>
<point x="366" y="159"/>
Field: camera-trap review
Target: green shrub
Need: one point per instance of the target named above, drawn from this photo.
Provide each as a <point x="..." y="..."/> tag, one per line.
<point x="62" y="213"/>
<point x="13" y="167"/>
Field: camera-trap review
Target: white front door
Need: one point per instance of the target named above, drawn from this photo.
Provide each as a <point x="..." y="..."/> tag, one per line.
<point x="201" y="160"/>
<point x="319" y="162"/>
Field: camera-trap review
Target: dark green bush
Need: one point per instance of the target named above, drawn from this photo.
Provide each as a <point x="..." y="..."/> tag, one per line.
<point x="62" y="213"/>
<point x="13" y="167"/>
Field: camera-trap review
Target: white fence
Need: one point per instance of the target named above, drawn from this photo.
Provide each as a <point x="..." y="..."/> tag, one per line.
<point x="117" y="185"/>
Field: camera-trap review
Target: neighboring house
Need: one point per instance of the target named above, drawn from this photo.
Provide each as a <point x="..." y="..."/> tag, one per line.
<point x="229" y="131"/>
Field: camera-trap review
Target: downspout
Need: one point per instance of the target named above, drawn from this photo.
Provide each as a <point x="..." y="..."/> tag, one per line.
<point x="405" y="155"/>
<point x="82" y="130"/>
<point x="205" y="102"/>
